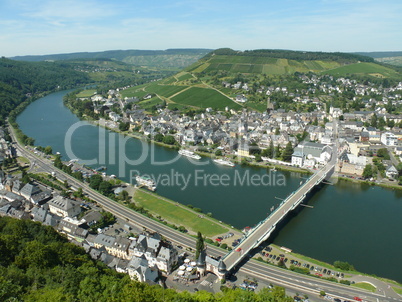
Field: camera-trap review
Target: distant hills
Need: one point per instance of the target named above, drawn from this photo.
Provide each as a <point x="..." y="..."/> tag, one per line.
<point x="388" y="57"/>
<point x="283" y="62"/>
<point x="200" y="85"/>
<point x="172" y="59"/>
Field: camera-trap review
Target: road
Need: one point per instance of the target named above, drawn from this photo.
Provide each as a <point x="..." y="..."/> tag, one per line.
<point x="253" y="268"/>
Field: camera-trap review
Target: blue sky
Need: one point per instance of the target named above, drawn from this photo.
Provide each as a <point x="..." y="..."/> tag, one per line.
<point x="34" y="27"/>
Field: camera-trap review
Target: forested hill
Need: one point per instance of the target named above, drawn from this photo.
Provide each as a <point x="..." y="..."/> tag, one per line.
<point x="19" y="80"/>
<point x="381" y="54"/>
<point x="38" y="264"/>
<point x="295" y="55"/>
<point x="170" y="58"/>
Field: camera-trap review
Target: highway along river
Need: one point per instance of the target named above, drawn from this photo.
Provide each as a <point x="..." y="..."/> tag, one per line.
<point x="349" y="222"/>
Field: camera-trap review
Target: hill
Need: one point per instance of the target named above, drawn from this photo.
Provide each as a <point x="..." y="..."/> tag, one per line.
<point x="387" y="57"/>
<point x="21" y="80"/>
<point x="273" y="62"/>
<point x="172" y="59"/>
<point x="199" y="86"/>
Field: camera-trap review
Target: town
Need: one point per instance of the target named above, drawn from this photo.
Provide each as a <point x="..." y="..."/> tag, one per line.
<point x="370" y="137"/>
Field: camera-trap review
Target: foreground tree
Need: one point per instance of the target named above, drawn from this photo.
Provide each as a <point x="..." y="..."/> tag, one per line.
<point x="200" y="246"/>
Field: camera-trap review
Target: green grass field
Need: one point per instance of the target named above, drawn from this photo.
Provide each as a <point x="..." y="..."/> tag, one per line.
<point x="148" y="104"/>
<point x="365" y="286"/>
<point x="397" y="290"/>
<point x="86" y="93"/>
<point x="363" y="68"/>
<point x="261" y="107"/>
<point x="204" y="98"/>
<point x="164" y="90"/>
<point x="178" y="215"/>
<point x="185" y="76"/>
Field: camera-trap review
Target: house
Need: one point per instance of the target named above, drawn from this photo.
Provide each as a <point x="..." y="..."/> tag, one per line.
<point x="102" y="240"/>
<point x="310" y="154"/>
<point x="91" y="218"/>
<point x="166" y="259"/>
<point x="389" y="139"/>
<point x="138" y="268"/>
<point x="72" y="228"/>
<point x="64" y="207"/>
<point x="119" y="248"/>
<point x="28" y="190"/>
<point x="391" y="172"/>
<point x="241" y="98"/>
<point x="243" y="149"/>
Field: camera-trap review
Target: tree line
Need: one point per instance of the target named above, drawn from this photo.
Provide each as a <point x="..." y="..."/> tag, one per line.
<point x="38" y="264"/>
<point x="295" y="55"/>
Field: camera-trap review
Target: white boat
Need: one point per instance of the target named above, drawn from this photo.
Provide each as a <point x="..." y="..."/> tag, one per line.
<point x="224" y="162"/>
<point x="190" y="154"/>
<point x="146" y="182"/>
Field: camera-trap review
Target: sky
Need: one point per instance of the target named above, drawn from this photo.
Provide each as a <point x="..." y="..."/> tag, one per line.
<point x="38" y="27"/>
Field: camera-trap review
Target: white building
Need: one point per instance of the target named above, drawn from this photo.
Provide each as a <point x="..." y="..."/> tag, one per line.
<point x="64" y="207"/>
<point x="389" y="139"/>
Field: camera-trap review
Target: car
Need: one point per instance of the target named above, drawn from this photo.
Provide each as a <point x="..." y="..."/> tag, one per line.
<point x="337" y="300"/>
<point x="270" y="256"/>
<point x="311" y="268"/>
<point x="357" y="299"/>
<point x="342" y="275"/>
<point x="285" y="260"/>
<point x="325" y="271"/>
<point x="308" y="265"/>
<point x="328" y="272"/>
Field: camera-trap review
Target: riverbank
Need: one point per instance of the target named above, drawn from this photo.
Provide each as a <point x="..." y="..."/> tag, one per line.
<point x="337" y="209"/>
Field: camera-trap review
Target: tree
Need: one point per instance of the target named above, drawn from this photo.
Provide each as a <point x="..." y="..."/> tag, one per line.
<point x="124" y="126"/>
<point x="368" y="171"/>
<point x="383" y="152"/>
<point x="343" y="266"/>
<point x="123" y="195"/>
<point x="105" y="187"/>
<point x="218" y="152"/>
<point x="287" y="152"/>
<point x="158" y="137"/>
<point x="95" y="181"/>
<point x="48" y="150"/>
<point x="79" y="193"/>
<point x="199" y="246"/>
<point x="25" y="178"/>
<point x="57" y="162"/>
<point x="168" y="139"/>
<point x="277" y="151"/>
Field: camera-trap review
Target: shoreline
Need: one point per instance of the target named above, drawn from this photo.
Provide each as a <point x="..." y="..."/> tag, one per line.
<point x="134" y="136"/>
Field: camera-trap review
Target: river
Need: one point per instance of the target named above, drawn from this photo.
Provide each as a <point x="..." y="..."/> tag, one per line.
<point x="349" y="222"/>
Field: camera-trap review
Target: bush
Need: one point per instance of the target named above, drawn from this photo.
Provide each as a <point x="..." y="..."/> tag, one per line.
<point x="344" y="266"/>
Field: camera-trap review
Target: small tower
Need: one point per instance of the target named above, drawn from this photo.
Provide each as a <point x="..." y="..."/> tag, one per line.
<point x="222" y="267"/>
<point x="201" y="263"/>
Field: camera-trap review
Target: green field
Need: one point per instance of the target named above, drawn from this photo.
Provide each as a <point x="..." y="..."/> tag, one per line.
<point x="363" y="68"/>
<point x="178" y="215"/>
<point x="86" y="93"/>
<point x="148" y="104"/>
<point x="164" y="90"/>
<point x="204" y="98"/>
<point x="365" y="286"/>
<point x="261" y="107"/>
<point x="185" y="76"/>
<point x="397" y="290"/>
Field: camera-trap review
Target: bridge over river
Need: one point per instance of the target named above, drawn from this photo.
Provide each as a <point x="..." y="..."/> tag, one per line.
<point x="265" y="228"/>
